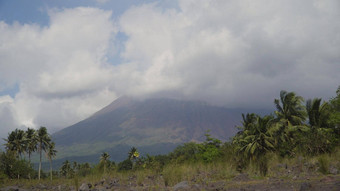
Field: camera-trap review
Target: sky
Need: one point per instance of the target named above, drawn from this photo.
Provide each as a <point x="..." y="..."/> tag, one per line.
<point x="61" y="61"/>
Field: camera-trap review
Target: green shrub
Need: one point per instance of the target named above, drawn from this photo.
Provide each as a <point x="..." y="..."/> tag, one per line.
<point x="13" y="167"/>
<point x="209" y="153"/>
<point x="125" y="165"/>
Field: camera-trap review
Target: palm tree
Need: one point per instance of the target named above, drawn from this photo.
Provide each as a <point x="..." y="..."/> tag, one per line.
<point x="51" y="153"/>
<point x="104" y="158"/>
<point x="290" y="116"/>
<point x="44" y="141"/>
<point x="31" y="145"/>
<point x="256" y="141"/>
<point x="320" y="133"/>
<point x="334" y="118"/>
<point x="66" y="169"/>
<point x="16" y="142"/>
<point x="290" y="110"/>
<point x="133" y="153"/>
<point x="248" y="121"/>
<point x="318" y="114"/>
<point x="75" y="166"/>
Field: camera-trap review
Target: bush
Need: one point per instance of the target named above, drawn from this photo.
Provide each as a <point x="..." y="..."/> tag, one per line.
<point x="13" y="167"/>
<point x="125" y="165"/>
<point x="209" y="153"/>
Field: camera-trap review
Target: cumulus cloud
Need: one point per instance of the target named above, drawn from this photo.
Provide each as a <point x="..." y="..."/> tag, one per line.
<point x="7" y="116"/>
<point x="61" y="69"/>
<point x="233" y="53"/>
<point x="236" y="53"/>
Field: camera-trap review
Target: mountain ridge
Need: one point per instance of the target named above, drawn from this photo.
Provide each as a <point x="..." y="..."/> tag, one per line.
<point x="145" y="124"/>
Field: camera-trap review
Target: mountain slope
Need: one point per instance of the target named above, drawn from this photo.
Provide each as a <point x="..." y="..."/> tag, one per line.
<point x="145" y="125"/>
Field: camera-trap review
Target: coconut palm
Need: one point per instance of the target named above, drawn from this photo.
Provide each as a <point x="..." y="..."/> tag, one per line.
<point x="248" y="121"/>
<point x="75" y="166"/>
<point x="44" y="141"/>
<point x="248" y="124"/>
<point x="254" y="141"/>
<point x="290" y="116"/>
<point x="31" y="144"/>
<point x="103" y="159"/>
<point x="66" y="169"/>
<point x="257" y="141"/>
<point x="16" y="142"/>
<point x="318" y="114"/>
<point x="51" y="153"/>
<point x="320" y="134"/>
<point x="133" y="153"/>
<point x="290" y="110"/>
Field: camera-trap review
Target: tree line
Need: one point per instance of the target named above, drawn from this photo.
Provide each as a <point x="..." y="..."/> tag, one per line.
<point x="297" y="127"/>
<point x="311" y="128"/>
<point x="74" y="169"/>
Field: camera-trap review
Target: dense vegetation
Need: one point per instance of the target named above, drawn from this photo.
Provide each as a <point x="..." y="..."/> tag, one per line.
<point x="296" y="128"/>
<point x="19" y="143"/>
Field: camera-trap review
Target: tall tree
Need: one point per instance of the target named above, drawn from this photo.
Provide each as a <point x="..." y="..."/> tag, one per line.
<point x="66" y="169"/>
<point x="133" y="153"/>
<point x="318" y="113"/>
<point x="51" y="153"/>
<point x="103" y="159"/>
<point x="248" y="122"/>
<point x="318" y="139"/>
<point x="16" y="142"/>
<point x="290" y="109"/>
<point x="254" y="142"/>
<point x="335" y="114"/>
<point x="31" y="145"/>
<point x="290" y="116"/>
<point x="44" y="141"/>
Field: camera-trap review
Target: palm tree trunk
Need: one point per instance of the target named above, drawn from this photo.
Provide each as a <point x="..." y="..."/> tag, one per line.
<point x="29" y="159"/>
<point x="39" y="162"/>
<point x="51" y="168"/>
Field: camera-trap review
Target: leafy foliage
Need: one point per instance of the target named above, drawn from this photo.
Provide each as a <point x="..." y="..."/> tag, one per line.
<point x="125" y="165"/>
<point x="13" y="168"/>
<point x="20" y="142"/>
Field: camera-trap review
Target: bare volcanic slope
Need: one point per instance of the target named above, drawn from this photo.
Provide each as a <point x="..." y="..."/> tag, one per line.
<point x="154" y="126"/>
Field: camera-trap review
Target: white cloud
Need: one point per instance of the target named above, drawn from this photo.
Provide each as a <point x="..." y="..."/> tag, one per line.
<point x="7" y="116"/>
<point x="62" y="68"/>
<point x="235" y="53"/>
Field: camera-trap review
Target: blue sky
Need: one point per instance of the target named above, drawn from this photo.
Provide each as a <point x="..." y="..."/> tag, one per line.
<point x="35" y="11"/>
<point x="61" y="61"/>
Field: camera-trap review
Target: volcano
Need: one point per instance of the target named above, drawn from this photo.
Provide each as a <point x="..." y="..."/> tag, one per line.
<point x="153" y="126"/>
